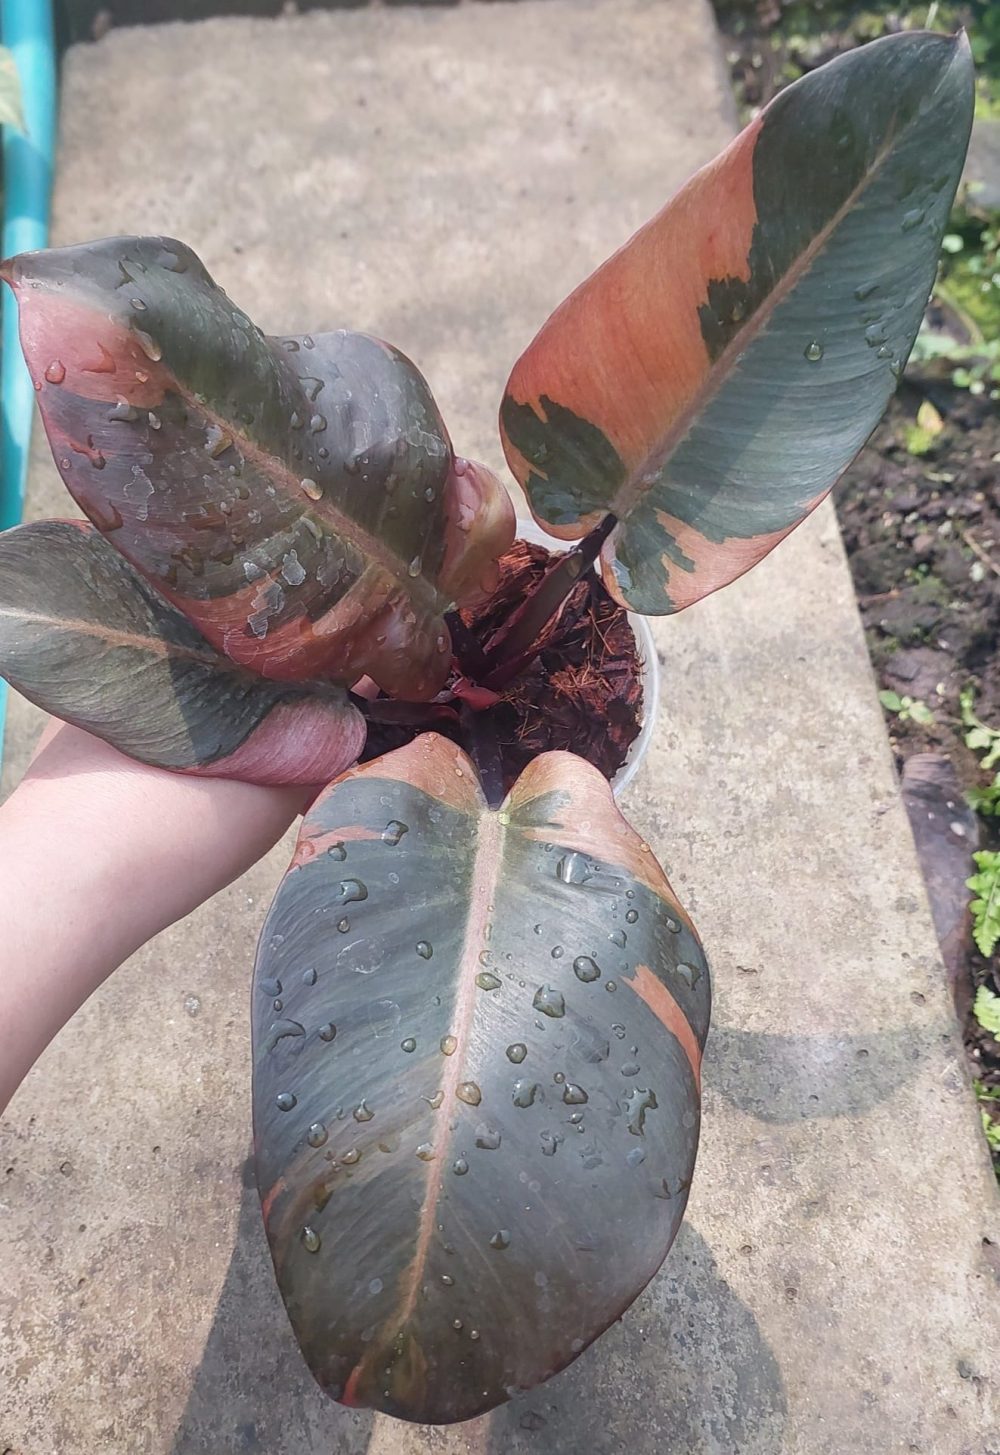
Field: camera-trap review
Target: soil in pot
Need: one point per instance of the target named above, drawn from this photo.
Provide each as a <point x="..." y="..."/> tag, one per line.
<point x="582" y="693"/>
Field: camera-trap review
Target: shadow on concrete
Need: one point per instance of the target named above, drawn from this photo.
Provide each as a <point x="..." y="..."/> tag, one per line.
<point x="686" y="1370"/>
<point x="82" y="20"/>
<point x="793" y="1078"/>
<point x="252" y="1393"/>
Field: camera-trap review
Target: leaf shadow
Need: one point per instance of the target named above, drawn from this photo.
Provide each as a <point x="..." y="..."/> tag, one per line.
<point x="790" y="1078"/>
<point x="252" y="1393"/>
<point x="686" y="1371"/>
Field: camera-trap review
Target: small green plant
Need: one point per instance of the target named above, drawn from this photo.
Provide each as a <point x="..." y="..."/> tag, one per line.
<point x="911" y="709"/>
<point x="991" y="1128"/>
<point x="921" y="437"/>
<point x="986" y="1009"/>
<point x="985" y="801"/>
<point x="985" y="906"/>
<point x="968" y="286"/>
<point x="989" y="1112"/>
<point x="982" y="739"/>
<point x="978" y="735"/>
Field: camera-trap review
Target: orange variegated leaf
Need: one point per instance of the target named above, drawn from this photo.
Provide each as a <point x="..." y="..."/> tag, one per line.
<point x="84" y="636"/>
<point x="297" y="498"/>
<point x="709" y="383"/>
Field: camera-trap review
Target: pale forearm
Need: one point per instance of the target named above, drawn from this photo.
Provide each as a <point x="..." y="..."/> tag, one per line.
<point x="97" y="855"/>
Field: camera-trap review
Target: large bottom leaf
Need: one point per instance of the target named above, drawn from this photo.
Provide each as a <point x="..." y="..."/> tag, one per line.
<point x="477" y="1039"/>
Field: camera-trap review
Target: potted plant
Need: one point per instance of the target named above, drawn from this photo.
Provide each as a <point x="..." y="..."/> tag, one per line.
<point x="478" y="1008"/>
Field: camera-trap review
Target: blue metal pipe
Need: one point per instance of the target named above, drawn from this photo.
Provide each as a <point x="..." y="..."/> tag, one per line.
<point x="27" y="30"/>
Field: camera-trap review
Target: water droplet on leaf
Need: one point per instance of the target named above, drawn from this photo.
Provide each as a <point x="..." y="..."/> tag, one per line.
<point x="148" y="345"/>
<point x="549" y="1001"/>
<point x="638" y="1102"/>
<point x="280" y="1030"/>
<point x="351" y="891"/>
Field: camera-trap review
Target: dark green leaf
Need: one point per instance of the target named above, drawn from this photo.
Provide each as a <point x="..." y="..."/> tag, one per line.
<point x="82" y="635"/>
<point x="477" y="1039"/>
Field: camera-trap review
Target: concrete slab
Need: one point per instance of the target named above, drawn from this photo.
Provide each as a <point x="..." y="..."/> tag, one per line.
<point x="443" y="176"/>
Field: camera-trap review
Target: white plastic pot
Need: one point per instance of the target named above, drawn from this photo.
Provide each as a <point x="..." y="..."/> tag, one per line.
<point x="649" y="668"/>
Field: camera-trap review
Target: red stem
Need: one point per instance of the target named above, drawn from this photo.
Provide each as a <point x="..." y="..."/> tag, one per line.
<point x="519" y="644"/>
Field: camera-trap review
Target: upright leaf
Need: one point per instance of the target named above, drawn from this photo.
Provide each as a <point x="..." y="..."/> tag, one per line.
<point x="82" y="635"/>
<point x="296" y="498"/>
<point x="710" y="382"/>
<point x="477" y="1039"/>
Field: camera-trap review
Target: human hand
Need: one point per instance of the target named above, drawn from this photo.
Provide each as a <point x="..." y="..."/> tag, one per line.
<point x="98" y="853"/>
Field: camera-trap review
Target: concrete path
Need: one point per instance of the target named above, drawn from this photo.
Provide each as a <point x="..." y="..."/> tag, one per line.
<point x="442" y="176"/>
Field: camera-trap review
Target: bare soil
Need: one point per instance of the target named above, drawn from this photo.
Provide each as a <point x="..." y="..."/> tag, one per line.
<point x="581" y="694"/>
<point x="923" y="539"/>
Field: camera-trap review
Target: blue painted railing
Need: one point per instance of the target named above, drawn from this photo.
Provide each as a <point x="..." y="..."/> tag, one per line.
<point x="26" y="29"/>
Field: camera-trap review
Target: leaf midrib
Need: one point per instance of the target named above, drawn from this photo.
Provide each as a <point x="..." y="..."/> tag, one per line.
<point x="486" y="870"/>
<point x="347" y="527"/>
<point x="155" y="645"/>
<point x="636" y="486"/>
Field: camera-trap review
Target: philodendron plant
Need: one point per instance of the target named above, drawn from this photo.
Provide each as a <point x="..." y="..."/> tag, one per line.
<point x="478" y="1018"/>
